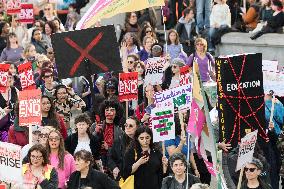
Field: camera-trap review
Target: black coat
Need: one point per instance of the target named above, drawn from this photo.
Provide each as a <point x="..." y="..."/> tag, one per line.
<point x="171" y="183"/>
<point x="72" y="141"/>
<point x="95" y="179"/>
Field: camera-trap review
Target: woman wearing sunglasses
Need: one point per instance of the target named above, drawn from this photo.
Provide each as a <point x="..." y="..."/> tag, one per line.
<point x="59" y="158"/>
<point x="252" y="171"/>
<point x="116" y="153"/>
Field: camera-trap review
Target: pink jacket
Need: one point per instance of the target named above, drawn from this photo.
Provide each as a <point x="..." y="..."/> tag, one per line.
<point x="63" y="174"/>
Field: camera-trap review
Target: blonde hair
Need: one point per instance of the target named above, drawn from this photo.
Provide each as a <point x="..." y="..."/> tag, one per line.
<point x="202" y="41"/>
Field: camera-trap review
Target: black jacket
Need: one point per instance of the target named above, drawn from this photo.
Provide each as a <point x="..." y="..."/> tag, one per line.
<point x="182" y="32"/>
<point x="95" y="179"/>
<point x="171" y="183"/>
<point x="72" y="141"/>
<point x="262" y="185"/>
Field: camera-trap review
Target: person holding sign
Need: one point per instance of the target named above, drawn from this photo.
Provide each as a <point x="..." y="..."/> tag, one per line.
<point x="144" y="161"/>
<point x="37" y="172"/>
<point x="252" y="171"/>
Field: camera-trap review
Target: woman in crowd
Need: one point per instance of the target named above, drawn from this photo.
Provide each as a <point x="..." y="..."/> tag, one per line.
<point x="266" y="10"/>
<point x="38" y="42"/>
<point x="139" y="67"/>
<point x="37" y="172"/>
<point x="111" y="89"/>
<point x="48" y="86"/>
<point x="172" y="74"/>
<point x="60" y="159"/>
<point x="204" y="60"/>
<point x="49" y="12"/>
<point x="12" y="52"/>
<point x="65" y="101"/>
<point x="87" y="177"/>
<point x="44" y="132"/>
<point x="130" y="25"/>
<point x="179" y="179"/>
<point x="4" y="31"/>
<point x="251" y="17"/>
<point x="117" y="151"/>
<point x="173" y="46"/>
<point x="129" y="45"/>
<point x="148" y="31"/>
<point x="145" y="53"/>
<point x="29" y="54"/>
<point x="143" y="158"/>
<point x="128" y="63"/>
<point x="59" y="28"/>
<point x="220" y="22"/>
<point x="82" y="138"/>
<point x="50" y="116"/>
<point x="49" y="28"/>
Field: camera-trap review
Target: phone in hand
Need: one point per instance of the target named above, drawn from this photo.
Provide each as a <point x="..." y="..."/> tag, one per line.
<point x="145" y="153"/>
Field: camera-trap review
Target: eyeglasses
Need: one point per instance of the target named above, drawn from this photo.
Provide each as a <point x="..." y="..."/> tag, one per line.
<point x="54" y="138"/>
<point x="41" y="135"/>
<point x="199" y="44"/>
<point x="47" y="9"/>
<point x="36" y="157"/>
<point x="130" y="62"/>
<point x="250" y="169"/>
<point x="50" y="52"/>
<point x="149" y="31"/>
<point x="128" y="125"/>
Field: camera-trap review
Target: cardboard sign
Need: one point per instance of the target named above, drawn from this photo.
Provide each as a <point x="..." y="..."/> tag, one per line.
<point x="30" y="107"/>
<point x="27" y="14"/>
<point x="10" y="164"/>
<point x="273" y="81"/>
<point x="26" y="76"/>
<point x="246" y="149"/>
<point x="184" y="75"/>
<point x="240" y="96"/>
<point x="180" y="96"/>
<point x="4" y="68"/>
<point x="163" y="124"/>
<point x="13" y="6"/>
<point x="97" y="53"/>
<point x="154" y="71"/>
<point x="128" y="86"/>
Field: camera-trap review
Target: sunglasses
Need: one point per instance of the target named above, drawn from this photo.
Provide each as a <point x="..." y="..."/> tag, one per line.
<point x="130" y="62"/>
<point x="54" y="138"/>
<point x="199" y="44"/>
<point x="149" y="31"/>
<point x="48" y="76"/>
<point x="128" y="125"/>
<point x="47" y="9"/>
<point x="250" y="169"/>
<point x="49" y="52"/>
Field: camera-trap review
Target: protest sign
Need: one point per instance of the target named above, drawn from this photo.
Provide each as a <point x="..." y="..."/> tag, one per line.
<point x="180" y="96"/>
<point x="246" y="149"/>
<point x="184" y="75"/>
<point x="26" y="76"/>
<point x="13" y="6"/>
<point x="97" y="53"/>
<point x="106" y="9"/>
<point x="163" y="124"/>
<point x="270" y="65"/>
<point x="2" y="186"/>
<point x="128" y="86"/>
<point x="10" y="164"/>
<point x="4" y="68"/>
<point x="240" y="96"/>
<point x="30" y="107"/>
<point x="154" y="71"/>
<point x="27" y="14"/>
<point x="273" y="81"/>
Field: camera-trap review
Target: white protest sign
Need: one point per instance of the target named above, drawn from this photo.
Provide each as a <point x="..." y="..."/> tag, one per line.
<point x="163" y="124"/>
<point x="273" y="81"/>
<point x="154" y="71"/>
<point x="270" y="65"/>
<point x="10" y="163"/>
<point x="181" y="97"/>
<point x="246" y="149"/>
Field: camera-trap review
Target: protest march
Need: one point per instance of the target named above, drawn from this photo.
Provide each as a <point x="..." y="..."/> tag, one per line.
<point x="140" y="94"/>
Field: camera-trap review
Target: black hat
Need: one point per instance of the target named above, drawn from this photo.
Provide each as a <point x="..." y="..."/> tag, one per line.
<point x="277" y="3"/>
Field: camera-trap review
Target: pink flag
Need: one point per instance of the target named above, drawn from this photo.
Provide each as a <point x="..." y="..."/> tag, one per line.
<point x="210" y="168"/>
<point x="196" y="120"/>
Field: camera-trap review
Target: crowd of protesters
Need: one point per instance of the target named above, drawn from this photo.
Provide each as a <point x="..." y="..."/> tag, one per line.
<point x="104" y="146"/>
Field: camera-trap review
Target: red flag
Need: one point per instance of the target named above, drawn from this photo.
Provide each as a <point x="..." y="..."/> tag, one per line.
<point x="196" y="120"/>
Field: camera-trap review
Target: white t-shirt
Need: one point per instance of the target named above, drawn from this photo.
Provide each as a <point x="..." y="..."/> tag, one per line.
<point x="83" y="145"/>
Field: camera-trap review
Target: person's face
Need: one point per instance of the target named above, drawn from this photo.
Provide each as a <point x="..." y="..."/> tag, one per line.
<point x="38" y="26"/>
<point x="82" y="127"/>
<point x="129" y="40"/>
<point x="149" y="91"/>
<point x="37" y="35"/>
<point x="144" y="140"/>
<point x="251" y="1"/>
<point x="6" y="28"/>
<point x="35" y="138"/>
<point x="251" y="171"/>
<point x="274" y="7"/>
<point x="110" y="113"/>
<point x="199" y="47"/>
<point x="56" y="23"/>
<point x="178" y="168"/>
<point x="31" y="52"/>
<point x="36" y="158"/>
<point x="13" y="69"/>
<point x="48" y="10"/>
<point x="47" y="29"/>
<point x="110" y="92"/>
<point x="172" y="37"/>
<point x="267" y="97"/>
<point x="133" y="18"/>
<point x="48" y="78"/>
<point x="81" y="164"/>
<point x="45" y="105"/>
<point x="53" y="140"/>
<point x="43" y="136"/>
<point x="139" y="69"/>
<point x="13" y="39"/>
<point x="148" y="32"/>
<point x="175" y="69"/>
<point x="62" y="94"/>
<point x="10" y="81"/>
<point x="148" y="43"/>
<point x="130" y="63"/>
<point x="264" y="2"/>
<point x="189" y="16"/>
<point x="50" y="53"/>
<point x="130" y="127"/>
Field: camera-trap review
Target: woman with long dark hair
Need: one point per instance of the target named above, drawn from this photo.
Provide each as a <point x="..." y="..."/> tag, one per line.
<point x="142" y="157"/>
<point x="48" y="30"/>
<point x="37" y="40"/>
<point x="130" y="25"/>
<point x="59" y="158"/>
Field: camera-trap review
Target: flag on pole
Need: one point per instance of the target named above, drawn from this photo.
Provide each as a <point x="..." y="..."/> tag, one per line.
<point x="196" y="120"/>
<point x="106" y="9"/>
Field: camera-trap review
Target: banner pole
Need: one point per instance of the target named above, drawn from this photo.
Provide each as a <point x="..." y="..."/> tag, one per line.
<point x="166" y="44"/>
<point x="30" y="134"/>
<point x="272" y="109"/>
<point x="126" y="109"/>
<point x="240" y="178"/>
<point x="163" y="149"/>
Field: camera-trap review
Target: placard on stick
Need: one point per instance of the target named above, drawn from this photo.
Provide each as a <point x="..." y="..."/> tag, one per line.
<point x="13" y="6"/>
<point x="128" y="86"/>
<point x="26" y="76"/>
<point x="184" y="75"/>
<point x="30" y="107"/>
<point x="4" y="68"/>
<point x="26" y="14"/>
<point x="154" y="70"/>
